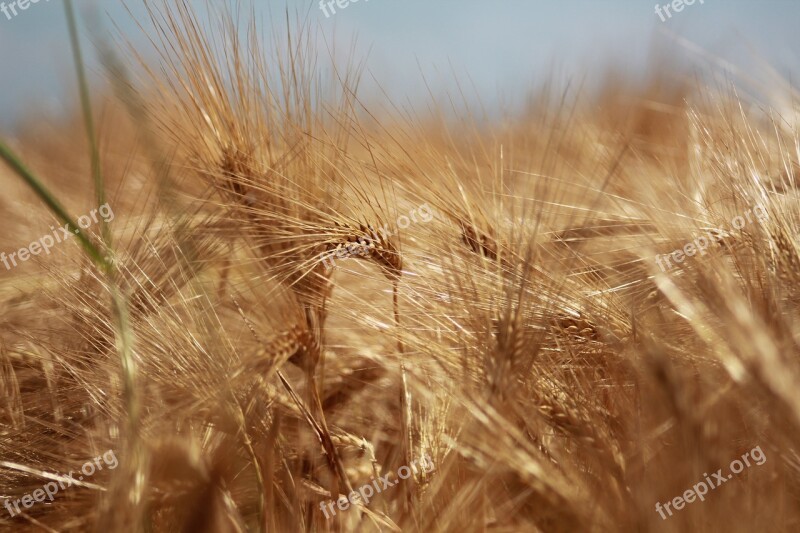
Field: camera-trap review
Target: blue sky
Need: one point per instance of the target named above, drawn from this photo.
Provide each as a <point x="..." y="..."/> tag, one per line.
<point x="503" y="47"/>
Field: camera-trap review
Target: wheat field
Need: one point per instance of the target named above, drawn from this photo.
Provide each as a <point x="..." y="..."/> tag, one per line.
<point x="562" y="321"/>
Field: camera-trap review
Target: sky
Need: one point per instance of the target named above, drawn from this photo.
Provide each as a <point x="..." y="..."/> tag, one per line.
<point x="500" y="48"/>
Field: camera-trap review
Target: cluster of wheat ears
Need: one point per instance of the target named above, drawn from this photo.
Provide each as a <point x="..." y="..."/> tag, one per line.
<point x="524" y="339"/>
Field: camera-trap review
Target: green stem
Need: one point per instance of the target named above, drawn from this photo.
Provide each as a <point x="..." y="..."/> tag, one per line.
<point x="41" y="191"/>
<point x="88" y="120"/>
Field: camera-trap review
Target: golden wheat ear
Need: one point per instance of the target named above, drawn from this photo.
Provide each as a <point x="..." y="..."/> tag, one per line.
<point x="293" y="345"/>
<point x="574" y="326"/>
<point x="479" y="241"/>
<point x="364" y="241"/>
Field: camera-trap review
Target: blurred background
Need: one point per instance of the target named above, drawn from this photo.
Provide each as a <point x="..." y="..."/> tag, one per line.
<point x="498" y="50"/>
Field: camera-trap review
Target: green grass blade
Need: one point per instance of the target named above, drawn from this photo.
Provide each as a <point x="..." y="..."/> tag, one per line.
<point x="23" y="172"/>
<point x="88" y="118"/>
